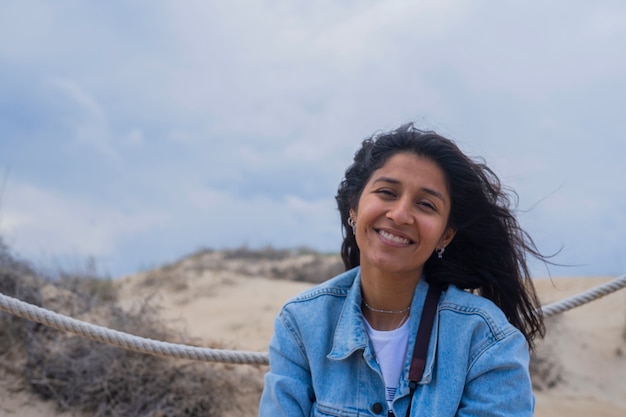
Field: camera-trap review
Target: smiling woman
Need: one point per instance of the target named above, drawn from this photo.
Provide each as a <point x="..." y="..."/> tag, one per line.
<point x="401" y="218"/>
<point x="435" y="314"/>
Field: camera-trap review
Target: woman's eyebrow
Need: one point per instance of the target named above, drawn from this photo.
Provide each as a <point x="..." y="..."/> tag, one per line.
<point x="434" y="193"/>
<point x="386" y="179"/>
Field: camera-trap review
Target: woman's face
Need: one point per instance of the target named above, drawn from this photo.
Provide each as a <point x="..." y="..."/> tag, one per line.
<point x="401" y="216"/>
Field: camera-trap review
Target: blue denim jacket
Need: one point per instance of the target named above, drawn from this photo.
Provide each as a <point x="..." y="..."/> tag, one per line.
<point x="323" y="364"/>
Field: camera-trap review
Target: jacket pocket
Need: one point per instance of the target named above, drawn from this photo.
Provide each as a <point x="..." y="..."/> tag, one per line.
<point x="321" y="410"/>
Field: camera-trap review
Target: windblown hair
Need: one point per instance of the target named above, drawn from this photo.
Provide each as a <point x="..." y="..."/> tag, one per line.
<point x="488" y="252"/>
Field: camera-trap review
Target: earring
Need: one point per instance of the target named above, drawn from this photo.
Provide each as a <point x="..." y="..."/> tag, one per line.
<point x="352" y="224"/>
<point x="440" y="252"/>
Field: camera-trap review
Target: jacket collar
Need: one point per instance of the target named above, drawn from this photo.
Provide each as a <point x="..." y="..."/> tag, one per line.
<point x="351" y="335"/>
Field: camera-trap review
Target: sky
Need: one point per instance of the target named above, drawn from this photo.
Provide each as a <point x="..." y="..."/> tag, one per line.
<point x="133" y="133"/>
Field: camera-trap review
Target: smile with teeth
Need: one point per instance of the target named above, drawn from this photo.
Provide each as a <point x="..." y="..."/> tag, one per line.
<point x="393" y="238"/>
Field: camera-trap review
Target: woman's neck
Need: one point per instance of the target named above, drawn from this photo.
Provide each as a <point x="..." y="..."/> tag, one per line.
<point x="386" y="298"/>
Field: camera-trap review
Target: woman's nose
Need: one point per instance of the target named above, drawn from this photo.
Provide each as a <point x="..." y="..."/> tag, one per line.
<point x="401" y="212"/>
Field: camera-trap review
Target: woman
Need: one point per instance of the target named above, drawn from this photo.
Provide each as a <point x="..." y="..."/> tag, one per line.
<point x="422" y="222"/>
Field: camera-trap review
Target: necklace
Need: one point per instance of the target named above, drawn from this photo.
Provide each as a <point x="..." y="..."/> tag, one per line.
<point x="406" y="315"/>
<point x="390" y="331"/>
<point x="376" y="310"/>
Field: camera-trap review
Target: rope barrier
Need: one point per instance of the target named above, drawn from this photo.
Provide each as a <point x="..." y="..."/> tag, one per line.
<point x="584" y="297"/>
<point x="125" y="340"/>
<point x="174" y="350"/>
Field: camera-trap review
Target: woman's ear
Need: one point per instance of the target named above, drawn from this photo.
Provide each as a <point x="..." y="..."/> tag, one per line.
<point x="447" y="237"/>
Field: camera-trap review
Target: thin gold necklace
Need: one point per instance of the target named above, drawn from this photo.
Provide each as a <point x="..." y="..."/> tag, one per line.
<point x="376" y="310"/>
<point x="406" y="315"/>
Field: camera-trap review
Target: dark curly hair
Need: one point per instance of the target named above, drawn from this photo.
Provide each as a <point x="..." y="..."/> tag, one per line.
<point x="488" y="252"/>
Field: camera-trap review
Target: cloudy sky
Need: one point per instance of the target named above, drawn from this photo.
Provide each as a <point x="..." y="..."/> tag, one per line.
<point x="136" y="132"/>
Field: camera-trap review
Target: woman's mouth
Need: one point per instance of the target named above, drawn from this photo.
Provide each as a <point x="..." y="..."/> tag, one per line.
<point x="393" y="238"/>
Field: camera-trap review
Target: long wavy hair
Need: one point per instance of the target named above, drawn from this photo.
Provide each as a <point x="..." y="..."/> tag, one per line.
<point x="488" y="252"/>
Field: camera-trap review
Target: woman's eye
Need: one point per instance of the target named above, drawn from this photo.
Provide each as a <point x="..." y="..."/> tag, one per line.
<point x="427" y="205"/>
<point x="386" y="193"/>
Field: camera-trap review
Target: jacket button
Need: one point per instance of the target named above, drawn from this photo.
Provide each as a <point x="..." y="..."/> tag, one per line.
<point x="377" y="408"/>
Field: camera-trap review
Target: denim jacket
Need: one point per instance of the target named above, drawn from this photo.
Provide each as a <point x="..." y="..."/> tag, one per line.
<point x="323" y="364"/>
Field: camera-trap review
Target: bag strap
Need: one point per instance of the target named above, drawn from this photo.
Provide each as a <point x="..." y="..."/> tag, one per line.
<point x="422" y="340"/>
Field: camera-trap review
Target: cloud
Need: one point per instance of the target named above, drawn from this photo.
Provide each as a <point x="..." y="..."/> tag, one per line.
<point x="162" y="128"/>
<point x="223" y="219"/>
<point x="89" y="125"/>
<point x="505" y="50"/>
<point x="269" y="71"/>
<point x="45" y="222"/>
<point x="135" y="137"/>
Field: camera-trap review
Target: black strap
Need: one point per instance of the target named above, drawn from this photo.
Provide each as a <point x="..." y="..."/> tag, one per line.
<point x="422" y="340"/>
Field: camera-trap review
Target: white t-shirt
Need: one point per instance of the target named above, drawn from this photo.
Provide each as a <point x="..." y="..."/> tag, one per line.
<point x="391" y="348"/>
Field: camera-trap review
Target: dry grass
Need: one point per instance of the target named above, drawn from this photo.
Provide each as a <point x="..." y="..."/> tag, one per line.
<point x="97" y="379"/>
<point x="624" y="329"/>
<point x="301" y="264"/>
<point x="546" y="370"/>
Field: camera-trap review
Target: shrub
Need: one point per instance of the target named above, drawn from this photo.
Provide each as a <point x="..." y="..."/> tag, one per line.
<point x="98" y="379"/>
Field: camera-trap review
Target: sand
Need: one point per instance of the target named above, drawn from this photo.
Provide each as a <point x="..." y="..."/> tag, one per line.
<point x="585" y="348"/>
<point x="589" y="344"/>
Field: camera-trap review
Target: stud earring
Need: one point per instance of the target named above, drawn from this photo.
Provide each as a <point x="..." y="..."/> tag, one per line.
<point x="352" y="224"/>
<point x="440" y="252"/>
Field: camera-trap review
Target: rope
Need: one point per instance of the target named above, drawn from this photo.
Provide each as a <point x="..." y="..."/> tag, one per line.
<point x="125" y="340"/>
<point x="584" y="297"/>
<point x="180" y="351"/>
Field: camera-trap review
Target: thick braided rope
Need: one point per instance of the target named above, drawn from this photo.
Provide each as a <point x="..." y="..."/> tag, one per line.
<point x="584" y="297"/>
<point x="166" y="349"/>
<point x="125" y="340"/>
